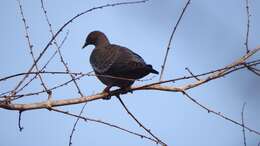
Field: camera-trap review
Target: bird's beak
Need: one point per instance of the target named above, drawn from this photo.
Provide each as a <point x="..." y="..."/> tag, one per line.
<point x="85" y="45"/>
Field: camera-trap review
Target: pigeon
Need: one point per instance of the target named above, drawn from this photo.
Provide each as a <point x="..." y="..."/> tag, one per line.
<point x="115" y="65"/>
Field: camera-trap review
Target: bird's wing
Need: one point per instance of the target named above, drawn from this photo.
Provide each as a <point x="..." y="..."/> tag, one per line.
<point x="127" y="64"/>
<point x="101" y="59"/>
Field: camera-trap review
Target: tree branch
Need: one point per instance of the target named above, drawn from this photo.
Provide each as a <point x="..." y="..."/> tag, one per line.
<point x="104" y="123"/>
<point x="170" y="40"/>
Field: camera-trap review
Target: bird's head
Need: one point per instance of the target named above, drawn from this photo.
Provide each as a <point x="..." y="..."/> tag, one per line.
<point x="96" y="38"/>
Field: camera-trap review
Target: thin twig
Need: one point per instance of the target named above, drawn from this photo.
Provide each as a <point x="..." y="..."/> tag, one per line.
<point x="19" y="121"/>
<point x="66" y="69"/>
<point x="248" y="25"/>
<point x="104" y="123"/>
<point x="27" y="36"/>
<point x="139" y="123"/>
<point x="169" y="43"/>
<point x="243" y="128"/>
<point x="76" y="122"/>
<point x="42" y="69"/>
<point x="43" y="91"/>
<point x="254" y="70"/>
<point x="58" y="49"/>
<point x="186" y="68"/>
<point x="72" y="73"/>
<point x="19" y="74"/>
<point x="219" y="114"/>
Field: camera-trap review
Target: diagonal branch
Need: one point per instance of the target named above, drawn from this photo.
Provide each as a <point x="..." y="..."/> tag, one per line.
<point x="242" y="119"/>
<point x="139" y="123"/>
<point x="170" y="41"/>
<point x="247" y="26"/>
<point x="104" y="123"/>
<point x="219" y="114"/>
<point x="67" y="70"/>
<point x="26" y="27"/>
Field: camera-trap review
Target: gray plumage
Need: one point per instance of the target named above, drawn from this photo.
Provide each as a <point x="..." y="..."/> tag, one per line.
<point x="115" y="65"/>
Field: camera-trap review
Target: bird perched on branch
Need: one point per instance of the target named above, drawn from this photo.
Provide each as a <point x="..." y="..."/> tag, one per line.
<point x="115" y="65"/>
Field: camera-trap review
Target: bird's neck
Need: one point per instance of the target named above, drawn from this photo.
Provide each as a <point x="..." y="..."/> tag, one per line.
<point x="102" y="41"/>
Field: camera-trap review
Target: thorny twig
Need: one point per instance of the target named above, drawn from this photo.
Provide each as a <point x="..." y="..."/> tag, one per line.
<point x="19" y="121"/>
<point x="139" y="123"/>
<point x="247" y="26"/>
<point x="219" y="114"/>
<point x="66" y="69"/>
<point x="43" y="91"/>
<point x="192" y="73"/>
<point x="19" y="74"/>
<point x="169" y="43"/>
<point x="76" y="122"/>
<point x="243" y="128"/>
<point x="105" y="123"/>
<point x="26" y="27"/>
<point x="253" y="70"/>
<point x="42" y="69"/>
<point x="59" y="51"/>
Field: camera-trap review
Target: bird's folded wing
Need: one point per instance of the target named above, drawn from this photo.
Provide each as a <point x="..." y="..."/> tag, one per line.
<point x="101" y="59"/>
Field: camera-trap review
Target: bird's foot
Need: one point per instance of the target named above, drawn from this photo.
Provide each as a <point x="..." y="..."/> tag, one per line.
<point x="107" y="90"/>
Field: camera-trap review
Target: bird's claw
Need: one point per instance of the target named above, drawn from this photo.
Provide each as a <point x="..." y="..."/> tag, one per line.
<point x="107" y="90"/>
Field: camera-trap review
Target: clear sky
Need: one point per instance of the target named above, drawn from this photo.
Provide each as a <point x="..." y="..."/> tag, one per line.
<point x="211" y="35"/>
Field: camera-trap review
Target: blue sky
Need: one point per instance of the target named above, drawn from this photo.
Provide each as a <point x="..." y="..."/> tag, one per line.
<point x="210" y="36"/>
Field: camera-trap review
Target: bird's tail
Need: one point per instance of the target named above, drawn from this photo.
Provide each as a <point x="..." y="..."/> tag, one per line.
<point x="151" y="70"/>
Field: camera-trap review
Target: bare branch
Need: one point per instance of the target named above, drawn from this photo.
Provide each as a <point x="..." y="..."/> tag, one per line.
<point x="104" y="123"/>
<point x="139" y="123"/>
<point x="19" y="74"/>
<point x="67" y="70"/>
<point x="224" y="71"/>
<point x="243" y="128"/>
<point x="59" y="51"/>
<point x="43" y="91"/>
<point x="46" y="64"/>
<point x="169" y="43"/>
<point x="248" y="25"/>
<point x="219" y="114"/>
<point x="253" y="70"/>
<point x="192" y="74"/>
<point x="19" y="121"/>
<point x="26" y="27"/>
<point x="75" y="124"/>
